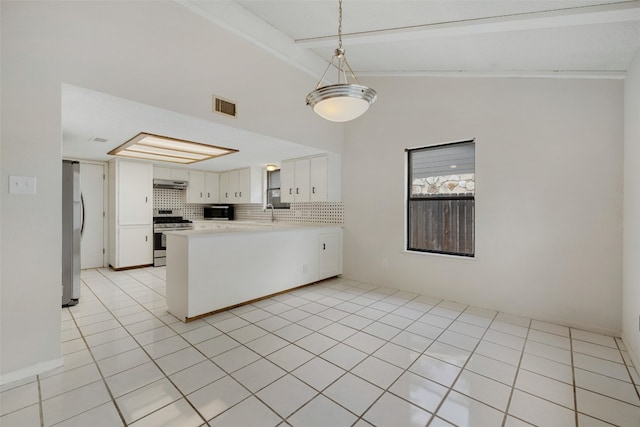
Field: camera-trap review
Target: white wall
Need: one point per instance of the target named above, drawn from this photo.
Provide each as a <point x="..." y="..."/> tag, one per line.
<point x="631" y="270"/>
<point x="548" y="202"/>
<point x="158" y="53"/>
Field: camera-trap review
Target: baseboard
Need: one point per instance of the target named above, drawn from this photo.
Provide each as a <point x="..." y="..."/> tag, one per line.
<point x="36" y="369"/>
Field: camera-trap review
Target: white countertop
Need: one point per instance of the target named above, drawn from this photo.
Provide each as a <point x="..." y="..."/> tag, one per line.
<point x="244" y="227"/>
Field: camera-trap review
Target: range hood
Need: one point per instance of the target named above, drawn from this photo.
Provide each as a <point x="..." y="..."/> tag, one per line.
<point x="175" y="184"/>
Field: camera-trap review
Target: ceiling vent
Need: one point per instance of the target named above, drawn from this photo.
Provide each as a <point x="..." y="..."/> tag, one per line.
<point x="96" y="139"/>
<point x="223" y="106"/>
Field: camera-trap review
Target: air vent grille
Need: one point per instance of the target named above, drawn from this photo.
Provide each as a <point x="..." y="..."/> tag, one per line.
<point x="96" y="139"/>
<point x="224" y="106"/>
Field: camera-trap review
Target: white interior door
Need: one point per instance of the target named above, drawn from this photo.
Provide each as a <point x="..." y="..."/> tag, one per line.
<point x="92" y="183"/>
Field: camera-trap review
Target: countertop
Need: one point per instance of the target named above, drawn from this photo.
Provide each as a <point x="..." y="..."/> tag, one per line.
<point x="244" y="227"/>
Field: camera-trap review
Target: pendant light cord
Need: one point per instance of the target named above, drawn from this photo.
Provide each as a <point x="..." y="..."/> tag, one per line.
<point x="340" y="24"/>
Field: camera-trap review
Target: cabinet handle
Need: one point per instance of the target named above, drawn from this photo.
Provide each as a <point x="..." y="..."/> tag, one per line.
<point x="241" y="194"/>
<point x="146" y="238"/>
<point x="226" y="195"/>
<point x="297" y="192"/>
<point x="146" y="199"/>
<point x="324" y="246"/>
<point x="208" y="194"/>
<point x="235" y="194"/>
<point x="313" y="190"/>
<point x="201" y="194"/>
<point x="290" y="191"/>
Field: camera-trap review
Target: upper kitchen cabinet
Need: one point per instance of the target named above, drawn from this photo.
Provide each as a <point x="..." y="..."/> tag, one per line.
<point x="203" y="187"/>
<point x="134" y="192"/>
<point x="161" y="172"/>
<point x="131" y="214"/>
<point x="241" y="186"/>
<point x="311" y="179"/>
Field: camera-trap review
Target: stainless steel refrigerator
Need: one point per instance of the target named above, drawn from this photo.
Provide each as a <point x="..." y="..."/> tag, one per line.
<point x="71" y="229"/>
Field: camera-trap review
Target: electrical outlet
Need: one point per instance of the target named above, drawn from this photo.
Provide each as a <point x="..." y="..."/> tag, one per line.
<point x="385" y="263"/>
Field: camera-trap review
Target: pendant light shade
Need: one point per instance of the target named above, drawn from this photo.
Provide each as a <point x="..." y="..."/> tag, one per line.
<point x="341" y="102"/>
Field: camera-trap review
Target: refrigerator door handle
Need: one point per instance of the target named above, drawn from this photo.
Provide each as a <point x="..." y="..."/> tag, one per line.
<point x="82" y="214"/>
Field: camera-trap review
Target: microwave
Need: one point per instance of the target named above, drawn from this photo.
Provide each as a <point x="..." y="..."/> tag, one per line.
<point x="218" y="212"/>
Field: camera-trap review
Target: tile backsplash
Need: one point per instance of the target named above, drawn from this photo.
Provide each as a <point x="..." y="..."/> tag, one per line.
<point x="316" y="212"/>
<point x="166" y="198"/>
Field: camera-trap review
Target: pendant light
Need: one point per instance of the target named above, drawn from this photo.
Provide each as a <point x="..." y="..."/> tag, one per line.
<point x="341" y="102"/>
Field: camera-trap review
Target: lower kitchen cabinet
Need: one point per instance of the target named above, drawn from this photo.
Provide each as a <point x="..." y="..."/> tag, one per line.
<point x="330" y="258"/>
<point x="135" y="246"/>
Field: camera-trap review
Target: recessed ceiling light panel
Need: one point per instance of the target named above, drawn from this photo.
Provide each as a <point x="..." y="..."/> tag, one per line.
<point x="165" y="149"/>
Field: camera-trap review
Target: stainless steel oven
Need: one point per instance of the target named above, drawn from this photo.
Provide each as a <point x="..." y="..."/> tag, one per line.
<point x="166" y="220"/>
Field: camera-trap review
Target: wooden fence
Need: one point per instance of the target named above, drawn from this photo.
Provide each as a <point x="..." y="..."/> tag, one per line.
<point x="442" y="224"/>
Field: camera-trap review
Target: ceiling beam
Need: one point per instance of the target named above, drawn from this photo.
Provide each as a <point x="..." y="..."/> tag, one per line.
<point x="587" y="15"/>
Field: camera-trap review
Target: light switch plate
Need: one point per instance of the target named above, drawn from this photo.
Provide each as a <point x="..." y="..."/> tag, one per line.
<point x="22" y="184"/>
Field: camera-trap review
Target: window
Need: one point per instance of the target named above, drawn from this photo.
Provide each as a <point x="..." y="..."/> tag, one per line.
<point x="441" y="199"/>
<point x="273" y="190"/>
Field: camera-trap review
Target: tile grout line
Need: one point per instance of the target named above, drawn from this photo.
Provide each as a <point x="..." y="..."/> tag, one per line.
<point x="320" y="393"/>
<point x="328" y="291"/>
<point x="229" y="374"/>
<point x="635" y="386"/>
<point x="95" y="362"/>
<point x="450" y="388"/>
<point x="515" y="378"/>
<point x="573" y="376"/>
<point x="41" y="413"/>
<point x="150" y="357"/>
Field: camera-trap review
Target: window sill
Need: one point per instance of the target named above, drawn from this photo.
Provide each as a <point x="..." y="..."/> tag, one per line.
<point x="445" y="256"/>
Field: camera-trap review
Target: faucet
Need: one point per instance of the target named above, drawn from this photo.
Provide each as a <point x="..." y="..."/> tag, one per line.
<point x="269" y="205"/>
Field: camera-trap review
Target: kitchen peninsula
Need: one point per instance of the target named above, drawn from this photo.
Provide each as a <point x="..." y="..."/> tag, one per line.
<point x="226" y="265"/>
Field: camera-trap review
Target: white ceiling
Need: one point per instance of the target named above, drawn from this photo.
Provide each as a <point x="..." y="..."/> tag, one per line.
<point x="543" y="38"/>
<point x="435" y="37"/>
<point x="87" y="114"/>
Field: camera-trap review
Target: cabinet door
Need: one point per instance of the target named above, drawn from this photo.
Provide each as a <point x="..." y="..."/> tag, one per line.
<point x="195" y="190"/>
<point x="301" y="193"/>
<point x="225" y="194"/>
<point x="244" y="186"/>
<point x="329" y="263"/>
<point x="135" y="246"/>
<point x="135" y="191"/>
<point x="287" y="181"/>
<point x="233" y="186"/>
<point x="318" y="179"/>
<point x="211" y="187"/>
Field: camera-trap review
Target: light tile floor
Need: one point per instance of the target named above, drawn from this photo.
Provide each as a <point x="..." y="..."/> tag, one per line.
<point x="337" y="353"/>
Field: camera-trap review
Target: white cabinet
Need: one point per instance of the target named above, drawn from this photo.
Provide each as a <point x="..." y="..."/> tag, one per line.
<point x="162" y="172"/>
<point x="211" y="187"/>
<point x="225" y="192"/>
<point x="203" y="187"/>
<point x="311" y="179"/>
<point x="330" y="254"/>
<point x="136" y="245"/>
<point x="131" y="213"/>
<point x="234" y="186"/>
<point x="135" y="193"/>
<point x="241" y="186"/>
<point x="294" y="184"/>
<point x="195" y="191"/>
